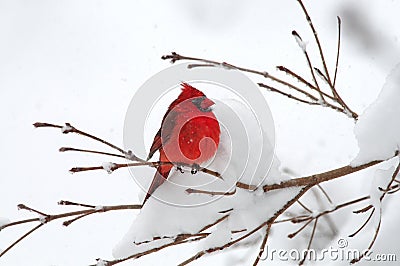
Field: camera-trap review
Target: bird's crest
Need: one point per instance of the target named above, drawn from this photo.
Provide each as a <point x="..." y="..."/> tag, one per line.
<point x="189" y="91"/>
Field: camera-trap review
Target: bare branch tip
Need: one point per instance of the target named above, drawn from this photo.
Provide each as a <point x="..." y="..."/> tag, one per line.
<point x="42" y="124"/>
<point x="22" y="207"/>
<point x="74" y="170"/>
<point x="38" y="124"/>
<point x="281" y="68"/>
<point x="173" y="56"/>
<point x="296" y="34"/>
<point x="67" y="223"/>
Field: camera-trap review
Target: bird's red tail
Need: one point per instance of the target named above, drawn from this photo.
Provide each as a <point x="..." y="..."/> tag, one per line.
<point x="159" y="177"/>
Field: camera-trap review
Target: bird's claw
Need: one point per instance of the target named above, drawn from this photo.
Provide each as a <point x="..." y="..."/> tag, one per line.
<point x="195" y="169"/>
<point x="179" y="168"/>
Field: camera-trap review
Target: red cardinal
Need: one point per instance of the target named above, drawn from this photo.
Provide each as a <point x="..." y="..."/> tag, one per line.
<point x="189" y="134"/>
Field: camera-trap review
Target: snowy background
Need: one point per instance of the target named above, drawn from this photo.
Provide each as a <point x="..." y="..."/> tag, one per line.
<point x="80" y="62"/>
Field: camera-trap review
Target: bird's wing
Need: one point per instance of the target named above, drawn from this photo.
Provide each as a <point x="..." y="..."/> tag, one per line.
<point x="167" y="127"/>
<point x="156" y="144"/>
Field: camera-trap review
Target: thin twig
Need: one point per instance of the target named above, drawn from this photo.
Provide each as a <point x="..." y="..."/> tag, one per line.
<point x="263" y="243"/>
<point x="321" y="75"/>
<point x="394" y="190"/>
<point x="292" y="235"/>
<point x="308" y="95"/>
<point x="64" y="149"/>
<point x="115" y="166"/>
<point x="331" y="224"/>
<point x="339" y="21"/>
<point x="363" y="209"/>
<point x="325" y="193"/>
<point x="364" y="224"/>
<point x="309" y="242"/>
<point x="386" y="191"/>
<point x="20" y="239"/>
<point x="147" y="252"/>
<point x="176" y="57"/>
<point x="290" y="96"/>
<point x="334" y="92"/>
<point x="307" y="217"/>
<point x="302" y="80"/>
<point x="180" y="239"/>
<point x="68" y="222"/>
<point x="297" y="36"/>
<point x="71" y="203"/>
<point x="327" y="104"/>
<point x="310" y="23"/>
<point x="68" y="128"/>
<point x="74" y="213"/>
<point x="345" y="204"/>
<point x="269" y="221"/>
<point x="211" y="193"/>
<point x="304" y="206"/>
<point x="49" y="218"/>
<point x="24" y="207"/>
<point x="394" y="175"/>
<point x="371" y="244"/>
<point x="293" y="219"/>
<point x="214" y="223"/>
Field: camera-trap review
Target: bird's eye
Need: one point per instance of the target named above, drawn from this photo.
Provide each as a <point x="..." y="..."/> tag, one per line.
<point x="203" y="104"/>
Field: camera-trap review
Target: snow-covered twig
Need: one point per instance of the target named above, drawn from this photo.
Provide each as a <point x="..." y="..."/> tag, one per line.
<point x="150" y="251"/>
<point x="322" y="177"/>
<point x="250" y="233"/>
<point x="302" y="45"/>
<point x="111" y="167"/>
<point x="179" y="239"/>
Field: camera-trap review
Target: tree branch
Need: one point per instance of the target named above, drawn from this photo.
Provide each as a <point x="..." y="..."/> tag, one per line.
<point x="319" y="178"/>
<point x="68" y="128"/>
<point x="46" y="218"/>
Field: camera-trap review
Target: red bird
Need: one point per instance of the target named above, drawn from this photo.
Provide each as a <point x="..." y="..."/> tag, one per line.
<point x="189" y="134"/>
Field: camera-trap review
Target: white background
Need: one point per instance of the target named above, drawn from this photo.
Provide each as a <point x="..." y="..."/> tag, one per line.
<point x="81" y="61"/>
